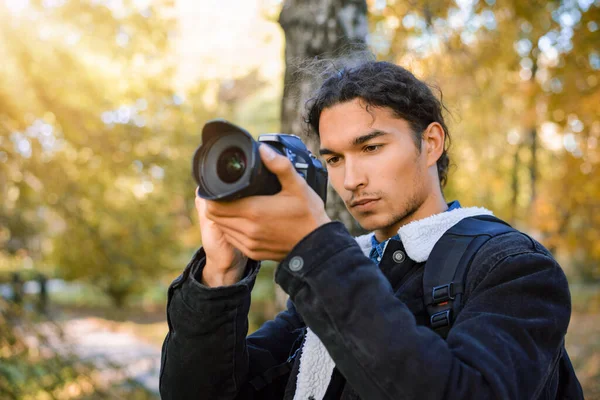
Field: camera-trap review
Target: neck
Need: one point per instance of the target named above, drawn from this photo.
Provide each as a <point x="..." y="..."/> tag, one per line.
<point x="432" y="205"/>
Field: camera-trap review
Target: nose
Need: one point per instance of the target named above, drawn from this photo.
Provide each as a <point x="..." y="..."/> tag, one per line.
<point x="354" y="175"/>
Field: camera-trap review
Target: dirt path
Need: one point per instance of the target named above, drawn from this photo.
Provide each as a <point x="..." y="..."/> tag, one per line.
<point x="94" y="339"/>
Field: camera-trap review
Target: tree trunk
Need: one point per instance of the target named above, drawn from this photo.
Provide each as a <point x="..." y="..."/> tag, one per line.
<point x="315" y="28"/>
<point x="532" y="140"/>
<point x="118" y="295"/>
<point x="533" y="166"/>
<point x="514" y="206"/>
<point x="322" y="29"/>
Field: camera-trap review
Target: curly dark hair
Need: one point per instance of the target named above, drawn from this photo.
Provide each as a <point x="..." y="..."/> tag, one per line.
<point x="383" y="84"/>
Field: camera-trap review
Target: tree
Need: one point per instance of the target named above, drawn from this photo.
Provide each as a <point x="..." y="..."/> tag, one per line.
<point x="317" y="29"/>
<point x="568" y="210"/>
<point x="85" y="123"/>
<point x="522" y="77"/>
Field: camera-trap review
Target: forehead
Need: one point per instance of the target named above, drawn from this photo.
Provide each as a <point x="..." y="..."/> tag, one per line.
<point x="341" y="123"/>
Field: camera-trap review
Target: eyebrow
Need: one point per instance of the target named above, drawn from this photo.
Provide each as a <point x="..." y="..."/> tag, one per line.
<point x="356" y="141"/>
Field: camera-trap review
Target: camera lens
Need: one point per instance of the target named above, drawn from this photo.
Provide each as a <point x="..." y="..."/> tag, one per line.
<point x="231" y="164"/>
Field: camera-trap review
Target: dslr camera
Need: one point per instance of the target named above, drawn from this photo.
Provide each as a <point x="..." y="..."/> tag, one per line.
<point x="227" y="165"/>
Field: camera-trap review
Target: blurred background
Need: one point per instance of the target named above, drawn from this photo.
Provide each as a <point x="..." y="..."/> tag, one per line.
<point x="101" y="107"/>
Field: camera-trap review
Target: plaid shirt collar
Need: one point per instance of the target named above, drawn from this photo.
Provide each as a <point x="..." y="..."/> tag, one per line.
<point x="377" y="248"/>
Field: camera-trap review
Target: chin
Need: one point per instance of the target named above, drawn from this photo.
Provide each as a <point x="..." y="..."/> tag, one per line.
<point x="372" y="222"/>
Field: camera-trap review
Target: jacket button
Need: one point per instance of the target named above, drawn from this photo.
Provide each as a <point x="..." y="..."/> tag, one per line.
<point x="399" y="256"/>
<point x="296" y="263"/>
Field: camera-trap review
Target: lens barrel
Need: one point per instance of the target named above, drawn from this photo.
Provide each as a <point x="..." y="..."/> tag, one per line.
<point x="227" y="166"/>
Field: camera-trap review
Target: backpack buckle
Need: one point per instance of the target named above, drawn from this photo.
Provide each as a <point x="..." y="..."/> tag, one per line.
<point x="440" y="319"/>
<point x="443" y="293"/>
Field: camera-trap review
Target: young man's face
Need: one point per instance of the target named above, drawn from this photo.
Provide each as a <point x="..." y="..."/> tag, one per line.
<point x="374" y="165"/>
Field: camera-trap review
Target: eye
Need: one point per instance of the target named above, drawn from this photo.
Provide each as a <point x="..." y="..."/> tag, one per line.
<point x="333" y="160"/>
<point x="372" y="148"/>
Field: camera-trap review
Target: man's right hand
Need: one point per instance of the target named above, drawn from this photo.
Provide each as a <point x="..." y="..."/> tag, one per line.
<point x="225" y="264"/>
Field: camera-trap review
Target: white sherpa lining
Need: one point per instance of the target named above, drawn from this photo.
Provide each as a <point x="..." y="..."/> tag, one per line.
<point x="315" y="369"/>
<point x="418" y="238"/>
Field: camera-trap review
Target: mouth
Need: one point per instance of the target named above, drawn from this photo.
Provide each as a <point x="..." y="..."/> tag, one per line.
<point x="363" y="203"/>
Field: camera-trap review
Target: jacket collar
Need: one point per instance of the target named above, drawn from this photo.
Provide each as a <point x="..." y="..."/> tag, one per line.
<point x="419" y="237"/>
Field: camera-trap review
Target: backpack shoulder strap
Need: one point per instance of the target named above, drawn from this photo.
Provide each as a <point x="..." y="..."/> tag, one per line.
<point x="447" y="266"/>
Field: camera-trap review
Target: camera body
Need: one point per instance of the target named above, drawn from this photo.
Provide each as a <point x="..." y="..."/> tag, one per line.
<point x="228" y="166"/>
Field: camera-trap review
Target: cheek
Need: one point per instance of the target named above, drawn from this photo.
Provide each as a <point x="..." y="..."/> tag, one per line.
<point x="402" y="164"/>
<point x="336" y="178"/>
<point x="391" y="169"/>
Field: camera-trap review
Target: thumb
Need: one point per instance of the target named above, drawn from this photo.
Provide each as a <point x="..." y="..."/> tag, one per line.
<point x="279" y="165"/>
<point x="201" y="208"/>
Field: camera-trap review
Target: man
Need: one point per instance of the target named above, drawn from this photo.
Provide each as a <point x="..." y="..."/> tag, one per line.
<point x="356" y="325"/>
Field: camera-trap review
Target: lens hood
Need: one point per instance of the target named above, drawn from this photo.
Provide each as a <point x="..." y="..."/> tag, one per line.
<point x="219" y="137"/>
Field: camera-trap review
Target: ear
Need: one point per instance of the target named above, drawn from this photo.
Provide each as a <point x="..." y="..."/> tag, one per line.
<point x="433" y="141"/>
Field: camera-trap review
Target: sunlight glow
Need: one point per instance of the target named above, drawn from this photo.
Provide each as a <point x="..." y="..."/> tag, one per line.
<point x="16" y="7"/>
<point x="550" y="136"/>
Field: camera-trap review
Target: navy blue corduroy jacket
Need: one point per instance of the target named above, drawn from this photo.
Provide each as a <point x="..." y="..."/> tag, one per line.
<point x="506" y="343"/>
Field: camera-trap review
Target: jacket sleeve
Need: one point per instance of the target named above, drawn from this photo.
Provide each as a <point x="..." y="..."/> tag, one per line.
<point x="206" y="354"/>
<point x="504" y="343"/>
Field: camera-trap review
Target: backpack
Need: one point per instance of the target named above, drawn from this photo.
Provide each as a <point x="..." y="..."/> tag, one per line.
<point x="444" y="282"/>
<point x="447" y="266"/>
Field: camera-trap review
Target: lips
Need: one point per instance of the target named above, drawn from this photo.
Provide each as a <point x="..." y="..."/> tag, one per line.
<point x="362" y="202"/>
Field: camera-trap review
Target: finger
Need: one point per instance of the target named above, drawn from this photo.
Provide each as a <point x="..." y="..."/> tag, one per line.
<point x="232" y="209"/>
<point x="243" y="244"/>
<point x="253" y="254"/>
<point x="280" y="166"/>
<point x="263" y="247"/>
<point x="239" y="225"/>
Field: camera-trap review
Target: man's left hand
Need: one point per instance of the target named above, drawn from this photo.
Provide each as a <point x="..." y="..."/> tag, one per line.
<point x="268" y="227"/>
